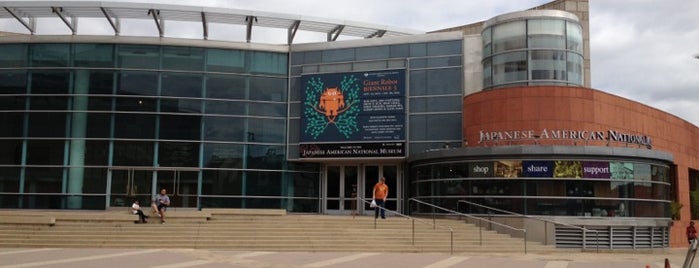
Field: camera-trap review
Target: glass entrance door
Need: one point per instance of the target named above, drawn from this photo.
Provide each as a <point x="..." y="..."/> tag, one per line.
<point x="181" y="186"/>
<point x="372" y="173"/>
<point x="129" y="184"/>
<point x="341" y="184"/>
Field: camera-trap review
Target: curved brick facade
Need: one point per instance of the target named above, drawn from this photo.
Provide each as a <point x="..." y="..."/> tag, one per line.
<point x="584" y="109"/>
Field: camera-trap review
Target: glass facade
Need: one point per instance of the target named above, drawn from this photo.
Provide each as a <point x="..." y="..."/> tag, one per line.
<point x="532" y="51"/>
<point x="565" y="187"/>
<point x="86" y="126"/>
<point x="90" y="126"/>
<point x="435" y="81"/>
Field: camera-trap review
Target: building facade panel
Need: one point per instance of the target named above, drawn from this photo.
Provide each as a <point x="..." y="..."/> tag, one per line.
<point x="574" y="114"/>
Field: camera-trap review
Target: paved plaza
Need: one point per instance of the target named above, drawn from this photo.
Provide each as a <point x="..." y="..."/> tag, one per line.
<point x="105" y="258"/>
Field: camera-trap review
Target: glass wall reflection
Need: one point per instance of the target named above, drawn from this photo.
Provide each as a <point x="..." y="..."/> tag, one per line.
<point x="96" y="116"/>
<point x="572" y="188"/>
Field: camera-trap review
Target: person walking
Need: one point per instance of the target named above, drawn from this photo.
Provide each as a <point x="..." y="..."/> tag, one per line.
<point x="691" y="232"/>
<point x="379" y="195"/>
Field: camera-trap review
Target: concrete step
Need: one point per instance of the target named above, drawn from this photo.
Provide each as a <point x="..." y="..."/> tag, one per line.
<point x="261" y="230"/>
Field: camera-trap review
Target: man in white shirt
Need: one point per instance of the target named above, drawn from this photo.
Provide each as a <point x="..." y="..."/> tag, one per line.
<point x="136" y="209"/>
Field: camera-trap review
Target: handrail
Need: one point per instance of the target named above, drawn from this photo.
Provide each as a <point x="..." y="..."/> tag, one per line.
<point x="434" y="225"/>
<point x="535" y="218"/>
<point x="480" y="228"/>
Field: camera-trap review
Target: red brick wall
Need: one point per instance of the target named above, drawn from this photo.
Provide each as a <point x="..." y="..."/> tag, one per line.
<point x="578" y="108"/>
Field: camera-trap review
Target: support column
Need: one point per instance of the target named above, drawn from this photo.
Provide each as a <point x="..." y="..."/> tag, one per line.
<point x="78" y="132"/>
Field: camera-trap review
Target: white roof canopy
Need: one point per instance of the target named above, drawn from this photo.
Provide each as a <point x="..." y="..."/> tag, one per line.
<point x="27" y="13"/>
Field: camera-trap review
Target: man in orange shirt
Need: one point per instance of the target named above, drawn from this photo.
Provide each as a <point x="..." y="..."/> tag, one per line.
<point x="380" y="194"/>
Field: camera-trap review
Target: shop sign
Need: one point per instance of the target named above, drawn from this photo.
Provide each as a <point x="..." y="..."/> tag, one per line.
<point x="480" y="169"/>
<point x="596" y="169"/>
<point x="538" y="169"/>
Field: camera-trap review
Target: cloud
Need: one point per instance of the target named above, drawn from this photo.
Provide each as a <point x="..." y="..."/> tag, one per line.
<point x="643" y="52"/>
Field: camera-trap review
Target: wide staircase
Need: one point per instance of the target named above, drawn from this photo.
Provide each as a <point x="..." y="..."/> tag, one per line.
<point x="254" y="230"/>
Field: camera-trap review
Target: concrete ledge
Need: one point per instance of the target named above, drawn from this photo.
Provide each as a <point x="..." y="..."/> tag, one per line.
<point x="205" y="215"/>
<point x="93" y="217"/>
<point x="246" y="212"/>
<point x="39" y="220"/>
<point x="112" y="215"/>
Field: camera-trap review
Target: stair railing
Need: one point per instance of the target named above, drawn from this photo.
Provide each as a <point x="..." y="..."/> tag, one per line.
<point x="480" y="219"/>
<point x="413" y="219"/>
<point x="546" y="233"/>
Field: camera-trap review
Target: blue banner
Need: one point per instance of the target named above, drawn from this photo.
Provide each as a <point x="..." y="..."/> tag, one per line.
<point x="537" y="169"/>
<point x="345" y="108"/>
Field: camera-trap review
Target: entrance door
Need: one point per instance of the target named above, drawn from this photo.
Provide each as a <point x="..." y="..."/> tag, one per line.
<point x="372" y="173"/>
<point x="181" y="186"/>
<point x="341" y="184"/>
<point x="129" y="184"/>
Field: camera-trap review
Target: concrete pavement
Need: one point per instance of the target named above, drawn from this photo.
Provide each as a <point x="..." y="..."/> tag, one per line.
<point x="106" y="258"/>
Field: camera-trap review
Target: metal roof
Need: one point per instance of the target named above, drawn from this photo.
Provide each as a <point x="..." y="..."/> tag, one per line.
<point x="27" y="13"/>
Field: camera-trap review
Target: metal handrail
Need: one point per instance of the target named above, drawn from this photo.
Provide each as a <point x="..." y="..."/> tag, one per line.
<point x="434" y="225"/>
<point x="535" y="218"/>
<point x="480" y="227"/>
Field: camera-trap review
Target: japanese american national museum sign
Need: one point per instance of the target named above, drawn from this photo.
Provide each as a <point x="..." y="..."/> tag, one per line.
<point x="348" y="115"/>
<point x="572" y="135"/>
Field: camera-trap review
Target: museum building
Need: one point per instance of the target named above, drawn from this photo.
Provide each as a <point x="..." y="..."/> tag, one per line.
<point x="492" y="115"/>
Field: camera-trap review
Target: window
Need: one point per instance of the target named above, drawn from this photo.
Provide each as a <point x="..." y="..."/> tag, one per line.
<point x="268" y="63"/>
<point x="574" y="37"/>
<point x="50" y="55"/>
<point x="224" y="129"/>
<point x="267" y="89"/>
<point x="372" y="53"/>
<point x="420" y="127"/>
<point x="546" y="33"/>
<point x="509" y="67"/>
<point x="694" y="192"/>
<point x="94" y="55"/>
<point x="444" y="48"/>
<point x="548" y="65"/>
<point x="179" y="127"/>
<point x="183" y="58"/>
<point x="219" y="60"/>
<point x="138" y="57"/>
<point x="13" y="56"/>
<point x="133" y="153"/>
<point x="509" y="36"/>
<point x="574" y="67"/>
<point x="338" y="55"/>
<point x="178" y="154"/>
<point x="223" y="155"/>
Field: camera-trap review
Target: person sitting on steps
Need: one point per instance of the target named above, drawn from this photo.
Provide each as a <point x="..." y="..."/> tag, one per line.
<point x="160" y="204"/>
<point x="136" y="209"/>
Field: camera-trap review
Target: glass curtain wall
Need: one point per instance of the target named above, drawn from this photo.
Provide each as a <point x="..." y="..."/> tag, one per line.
<point x="532" y="51"/>
<point x="435" y="82"/>
<point x="70" y="114"/>
<point x="599" y="188"/>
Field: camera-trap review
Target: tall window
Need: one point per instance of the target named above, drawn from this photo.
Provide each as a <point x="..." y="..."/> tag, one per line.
<point x="694" y="192"/>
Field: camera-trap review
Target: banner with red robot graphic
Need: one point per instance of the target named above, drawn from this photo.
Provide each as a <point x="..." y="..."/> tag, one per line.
<point x="349" y="115"/>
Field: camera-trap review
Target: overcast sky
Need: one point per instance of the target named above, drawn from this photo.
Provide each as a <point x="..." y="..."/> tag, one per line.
<point x="642" y="50"/>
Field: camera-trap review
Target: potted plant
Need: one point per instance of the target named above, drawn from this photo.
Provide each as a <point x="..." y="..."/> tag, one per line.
<point x="675" y="208"/>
